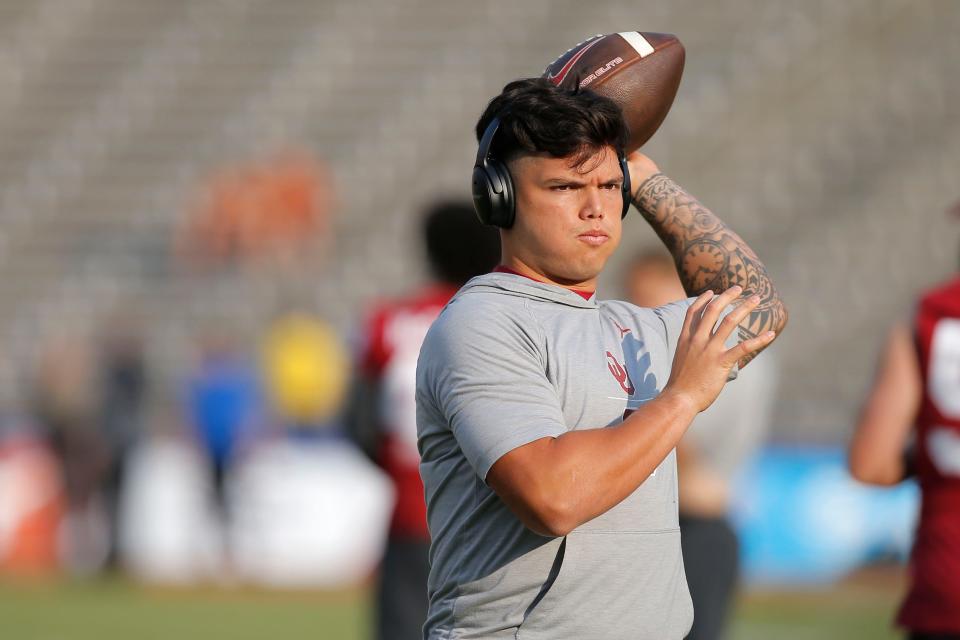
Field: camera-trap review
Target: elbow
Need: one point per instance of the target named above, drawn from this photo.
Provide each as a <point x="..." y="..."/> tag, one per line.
<point x="874" y="473"/>
<point x="557" y="525"/>
<point x="550" y="516"/>
<point x="552" y="529"/>
<point x="875" y="477"/>
<point x="540" y="494"/>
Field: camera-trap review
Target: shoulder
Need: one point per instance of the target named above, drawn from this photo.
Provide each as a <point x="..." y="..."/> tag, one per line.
<point x="478" y="336"/>
<point x="664" y="320"/>
<point x="479" y="330"/>
<point x="479" y="315"/>
<point x="649" y="315"/>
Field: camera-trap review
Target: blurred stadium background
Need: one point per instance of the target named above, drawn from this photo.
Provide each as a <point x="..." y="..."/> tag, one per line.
<point x="175" y="174"/>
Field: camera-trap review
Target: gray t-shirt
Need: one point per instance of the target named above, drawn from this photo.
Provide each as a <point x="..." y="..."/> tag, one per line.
<point x="510" y="361"/>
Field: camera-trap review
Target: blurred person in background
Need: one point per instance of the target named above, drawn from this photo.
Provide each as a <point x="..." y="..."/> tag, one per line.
<point x="123" y="386"/>
<point x="299" y="505"/>
<point x="720" y="440"/>
<point x="65" y="401"/>
<point x="89" y="399"/>
<point x="224" y="406"/>
<point x="306" y="372"/>
<point x="383" y="413"/>
<point x="916" y="395"/>
<point x="309" y="509"/>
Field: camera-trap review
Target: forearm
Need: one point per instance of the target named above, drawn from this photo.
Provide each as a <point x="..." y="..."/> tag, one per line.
<point x="886" y="419"/>
<point x="874" y="456"/>
<point x="574" y="478"/>
<point x="708" y="254"/>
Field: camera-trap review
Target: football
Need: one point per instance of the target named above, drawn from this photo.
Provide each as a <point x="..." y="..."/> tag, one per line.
<point x="639" y="71"/>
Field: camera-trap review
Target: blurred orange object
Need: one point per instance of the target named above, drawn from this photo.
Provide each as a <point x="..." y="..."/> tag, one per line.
<point x="31" y="509"/>
<point x="261" y="209"/>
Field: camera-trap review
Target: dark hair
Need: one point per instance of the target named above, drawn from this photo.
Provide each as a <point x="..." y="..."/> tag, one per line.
<point x="458" y="246"/>
<point x="538" y="117"/>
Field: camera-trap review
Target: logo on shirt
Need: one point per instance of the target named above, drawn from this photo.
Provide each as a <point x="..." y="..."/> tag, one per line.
<point x="622" y="331"/>
<point x="620" y="374"/>
<point x="634" y="373"/>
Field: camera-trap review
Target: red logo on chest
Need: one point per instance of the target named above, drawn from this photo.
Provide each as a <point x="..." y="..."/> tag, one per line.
<point x="620" y="374"/>
<point x="622" y="331"/>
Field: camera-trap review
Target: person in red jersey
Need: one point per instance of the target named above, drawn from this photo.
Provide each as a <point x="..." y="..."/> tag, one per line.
<point x="383" y="413"/>
<point x="917" y="391"/>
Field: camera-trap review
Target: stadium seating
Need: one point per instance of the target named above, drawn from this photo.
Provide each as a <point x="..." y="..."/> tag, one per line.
<point x="825" y="132"/>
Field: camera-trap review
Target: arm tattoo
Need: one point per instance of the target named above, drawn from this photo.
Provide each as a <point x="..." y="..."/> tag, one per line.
<point x="708" y="254"/>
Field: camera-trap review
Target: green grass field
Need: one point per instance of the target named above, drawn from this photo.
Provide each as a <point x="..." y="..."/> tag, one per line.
<point x="861" y="608"/>
<point x="108" y="609"/>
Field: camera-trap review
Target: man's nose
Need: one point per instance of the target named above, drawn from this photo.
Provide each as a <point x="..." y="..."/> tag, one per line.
<point x="592" y="206"/>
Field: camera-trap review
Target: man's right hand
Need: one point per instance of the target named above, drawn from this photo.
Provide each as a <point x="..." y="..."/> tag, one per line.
<point x="702" y="361"/>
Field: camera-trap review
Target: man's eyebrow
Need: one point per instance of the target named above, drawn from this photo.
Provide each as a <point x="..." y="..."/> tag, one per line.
<point x="617" y="179"/>
<point x="573" y="181"/>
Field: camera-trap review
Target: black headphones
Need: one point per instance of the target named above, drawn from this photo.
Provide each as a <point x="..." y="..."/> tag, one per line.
<point x="493" y="196"/>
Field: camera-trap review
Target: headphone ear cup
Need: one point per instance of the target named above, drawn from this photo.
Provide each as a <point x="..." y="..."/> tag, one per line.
<point x="506" y="204"/>
<point x="627" y="188"/>
<point x="493" y="194"/>
<point x="483" y="195"/>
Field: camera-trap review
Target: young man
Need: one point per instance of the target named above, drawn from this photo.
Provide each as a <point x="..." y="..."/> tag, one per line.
<point x="547" y="419"/>
<point x="917" y="391"/>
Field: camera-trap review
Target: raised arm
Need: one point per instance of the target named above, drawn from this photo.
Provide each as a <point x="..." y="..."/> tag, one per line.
<point x="709" y="255"/>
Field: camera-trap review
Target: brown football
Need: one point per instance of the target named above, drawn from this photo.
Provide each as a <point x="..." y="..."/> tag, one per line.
<point x="639" y="71"/>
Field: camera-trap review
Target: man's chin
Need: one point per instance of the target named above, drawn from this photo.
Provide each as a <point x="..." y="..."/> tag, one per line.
<point x="576" y="278"/>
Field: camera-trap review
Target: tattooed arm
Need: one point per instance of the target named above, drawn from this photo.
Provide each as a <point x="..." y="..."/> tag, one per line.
<point x="708" y="253"/>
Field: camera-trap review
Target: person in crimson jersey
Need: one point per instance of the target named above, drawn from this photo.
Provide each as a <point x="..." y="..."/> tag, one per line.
<point x="917" y="392"/>
<point x="383" y="413"/>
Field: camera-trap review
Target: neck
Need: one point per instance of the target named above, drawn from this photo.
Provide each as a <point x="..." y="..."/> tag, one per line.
<point x="517" y="265"/>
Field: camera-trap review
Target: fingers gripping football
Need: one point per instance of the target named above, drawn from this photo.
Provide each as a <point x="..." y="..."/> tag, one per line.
<point x="702" y="361"/>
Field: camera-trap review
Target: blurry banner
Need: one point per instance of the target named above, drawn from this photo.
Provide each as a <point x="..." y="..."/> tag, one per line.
<point x="32" y="505"/>
<point x="308" y="514"/>
<point x="168" y="528"/>
<point x="301" y="514"/>
<point x="802" y="519"/>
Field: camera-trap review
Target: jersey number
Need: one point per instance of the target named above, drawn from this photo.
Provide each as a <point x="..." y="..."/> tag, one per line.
<point x="944" y="372"/>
